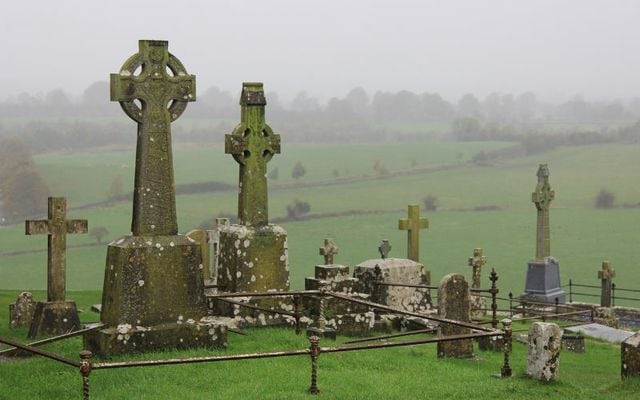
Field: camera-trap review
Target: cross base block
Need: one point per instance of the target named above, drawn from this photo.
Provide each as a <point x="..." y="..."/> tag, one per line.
<point x="543" y="281"/>
<point x="54" y="318"/>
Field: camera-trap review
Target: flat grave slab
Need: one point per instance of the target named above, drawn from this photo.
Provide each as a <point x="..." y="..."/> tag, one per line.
<point x="601" y="332"/>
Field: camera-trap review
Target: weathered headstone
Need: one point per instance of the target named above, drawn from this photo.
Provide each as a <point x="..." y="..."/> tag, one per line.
<point x="543" y="359"/>
<point x="153" y="295"/>
<point x="630" y="354"/>
<point x="57" y="315"/>
<point x="478" y="303"/>
<point x="412" y="225"/>
<point x="21" y="312"/>
<point x="253" y="253"/>
<point x="543" y="272"/>
<point x="573" y="343"/>
<point x="453" y="303"/>
<point x="606" y="275"/>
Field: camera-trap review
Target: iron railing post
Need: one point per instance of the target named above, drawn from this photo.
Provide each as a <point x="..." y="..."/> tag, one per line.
<point x="85" y="371"/>
<point x="314" y="351"/>
<point x="613" y="294"/>
<point x="494" y="304"/>
<point x="505" y="371"/>
<point x="570" y="291"/>
<point x="510" y="305"/>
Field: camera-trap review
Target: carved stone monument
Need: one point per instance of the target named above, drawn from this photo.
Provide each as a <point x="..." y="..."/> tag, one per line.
<point x="153" y="295"/>
<point x="543" y="272"/>
<point x="21" y="312"/>
<point x="453" y="303"/>
<point x="543" y="360"/>
<point x="606" y="275"/>
<point x="57" y="315"/>
<point x="478" y="303"/>
<point x="412" y="225"/>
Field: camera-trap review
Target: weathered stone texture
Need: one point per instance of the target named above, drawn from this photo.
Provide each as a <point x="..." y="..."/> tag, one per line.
<point x="573" y="343"/>
<point x="543" y="360"/>
<point x="630" y="353"/>
<point x="453" y="303"/>
<point x="21" y="312"/>
<point x="54" y="318"/>
<point x="201" y="237"/>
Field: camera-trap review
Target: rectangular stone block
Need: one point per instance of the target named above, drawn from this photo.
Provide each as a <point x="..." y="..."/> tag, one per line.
<point x="543" y="359"/>
<point x="331" y="272"/>
<point x="453" y="303"/>
<point x="54" y="318"/>
<point x="543" y="281"/>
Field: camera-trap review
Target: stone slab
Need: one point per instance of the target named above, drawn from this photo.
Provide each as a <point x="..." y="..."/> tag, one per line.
<point x="602" y="332"/>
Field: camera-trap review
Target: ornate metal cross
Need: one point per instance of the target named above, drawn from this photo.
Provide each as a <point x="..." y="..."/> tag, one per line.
<point x="412" y="225"/>
<point x="328" y="251"/>
<point x="57" y="227"/>
<point x="252" y="145"/>
<point x="384" y="248"/>
<point x="163" y="89"/>
<point x="606" y="275"/>
<point x="477" y="262"/>
<point x="542" y="197"/>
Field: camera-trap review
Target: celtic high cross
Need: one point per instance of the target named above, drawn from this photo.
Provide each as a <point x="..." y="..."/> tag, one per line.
<point x="252" y="144"/>
<point x="542" y="197"/>
<point x="162" y="89"/>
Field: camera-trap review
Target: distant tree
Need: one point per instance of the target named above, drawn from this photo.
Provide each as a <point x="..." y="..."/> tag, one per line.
<point x="604" y="199"/>
<point x="274" y="174"/>
<point x="97" y="94"/>
<point x="303" y="102"/>
<point x="358" y="99"/>
<point x="466" y="129"/>
<point x="469" y="106"/>
<point x="298" y="170"/>
<point x="297" y="209"/>
<point x="99" y="232"/>
<point x="115" y="188"/>
<point x="430" y="203"/>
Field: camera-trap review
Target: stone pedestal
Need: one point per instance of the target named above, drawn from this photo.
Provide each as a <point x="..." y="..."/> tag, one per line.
<point x="54" y="318"/>
<point x="453" y="303"/>
<point x="543" y="281"/>
<point x="153" y="290"/>
<point x="543" y="360"/>
<point x="21" y="312"/>
<point x="630" y="352"/>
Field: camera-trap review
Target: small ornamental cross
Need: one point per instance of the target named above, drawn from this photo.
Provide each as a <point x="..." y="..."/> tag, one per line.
<point x="384" y="248"/>
<point x="252" y="144"/>
<point x="477" y="262"/>
<point x="606" y="275"/>
<point x="542" y="197"/>
<point x="163" y="88"/>
<point x="412" y="225"/>
<point x="56" y="227"/>
<point x="328" y="251"/>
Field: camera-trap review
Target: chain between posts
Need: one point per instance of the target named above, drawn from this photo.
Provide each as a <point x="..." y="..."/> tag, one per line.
<point x="85" y="371"/>
<point x="314" y="351"/>
<point x="505" y="371"/>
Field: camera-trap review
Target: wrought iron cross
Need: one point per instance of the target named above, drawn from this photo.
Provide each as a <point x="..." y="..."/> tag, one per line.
<point x="477" y="262"/>
<point x="252" y="145"/>
<point x="328" y="251"/>
<point x="56" y="227"/>
<point x="542" y="197"/>
<point x="412" y="225"/>
<point x="163" y="88"/>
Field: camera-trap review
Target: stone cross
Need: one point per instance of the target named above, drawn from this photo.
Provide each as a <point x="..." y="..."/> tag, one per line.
<point x="606" y="275"/>
<point x="412" y="225"/>
<point x="542" y="199"/>
<point x="252" y="144"/>
<point x="384" y="248"/>
<point x="56" y="227"/>
<point x="328" y="251"/>
<point x="163" y="89"/>
<point x="477" y="262"/>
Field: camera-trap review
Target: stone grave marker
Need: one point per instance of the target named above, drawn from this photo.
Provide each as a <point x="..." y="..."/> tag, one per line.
<point x="412" y="225"/>
<point x="478" y="303"/>
<point x="543" y="272"/>
<point x="543" y="357"/>
<point x="57" y="315"/>
<point x="630" y="354"/>
<point x="21" y="312"/>
<point x="328" y="251"/>
<point x="606" y="275"/>
<point x="453" y="303"/>
<point x="153" y="295"/>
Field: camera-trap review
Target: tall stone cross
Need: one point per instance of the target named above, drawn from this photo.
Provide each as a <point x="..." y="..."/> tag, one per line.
<point x="252" y="144"/>
<point x="542" y="197"/>
<point x="56" y="227"/>
<point x="412" y="225"/>
<point x="477" y="262"/>
<point x="162" y="89"/>
<point x="328" y="251"/>
<point x="606" y="275"/>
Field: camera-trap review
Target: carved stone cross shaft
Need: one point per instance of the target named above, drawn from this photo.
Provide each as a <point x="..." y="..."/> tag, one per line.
<point x="606" y="275"/>
<point x="542" y="197"/>
<point x="252" y="145"/>
<point x="56" y="227"/>
<point x="328" y="251"/>
<point x="412" y="225"/>
<point x="163" y="89"/>
<point x="477" y="262"/>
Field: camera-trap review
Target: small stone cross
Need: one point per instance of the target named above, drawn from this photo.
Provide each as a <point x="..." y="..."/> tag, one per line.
<point x="384" y="248"/>
<point x="542" y="197"/>
<point x="328" y="251"/>
<point x="606" y="275"/>
<point x="477" y="262"/>
<point x="57" y="227"/>
<point x="252" y="144"/>
<point x="412" y="225"/>
<point x="163" y="89"/>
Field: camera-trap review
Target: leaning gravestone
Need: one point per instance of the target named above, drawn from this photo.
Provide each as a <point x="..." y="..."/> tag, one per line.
<point x="543" y="360"/>
<point x="21" y="312"/>
<point x="153" y="295"/>
<point x="543" y="272"/>
<point x="453" y="303"/>
<point x="57" y="315"/>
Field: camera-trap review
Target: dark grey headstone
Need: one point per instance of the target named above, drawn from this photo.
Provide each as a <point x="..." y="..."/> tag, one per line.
<point x="543" y="281"/>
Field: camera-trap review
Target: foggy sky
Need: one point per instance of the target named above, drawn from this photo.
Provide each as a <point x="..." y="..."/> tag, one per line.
<point x="555" y="48"/>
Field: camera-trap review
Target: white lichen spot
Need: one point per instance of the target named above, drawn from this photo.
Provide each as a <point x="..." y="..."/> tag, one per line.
<point x="236" y="244"/>
<point x="253" y="278"/>
<point x="148" y="189"/>
<point x="283" y="257"/>
<point x="238" y="274"/>
<point x="250" y="264"/>
<point x="191" y="321"/>
<point x="141" y="284"/>
<point x="262" y="319"/>
<point x="171" y="244"/>
<point x="125" y="72"/>
<point x="123" y="328"/>
<point x="200" y="266"/>
<point x="153" y="226"/>
<point x="149" y="243"/>
<point x="120" y="337"/>
<point x="246" y="243"/>
<point x="65" y="320"/>
<point x="158" y="245"/>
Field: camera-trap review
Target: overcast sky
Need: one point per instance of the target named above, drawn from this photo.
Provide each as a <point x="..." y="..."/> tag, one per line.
<point x="555" y="48"/>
